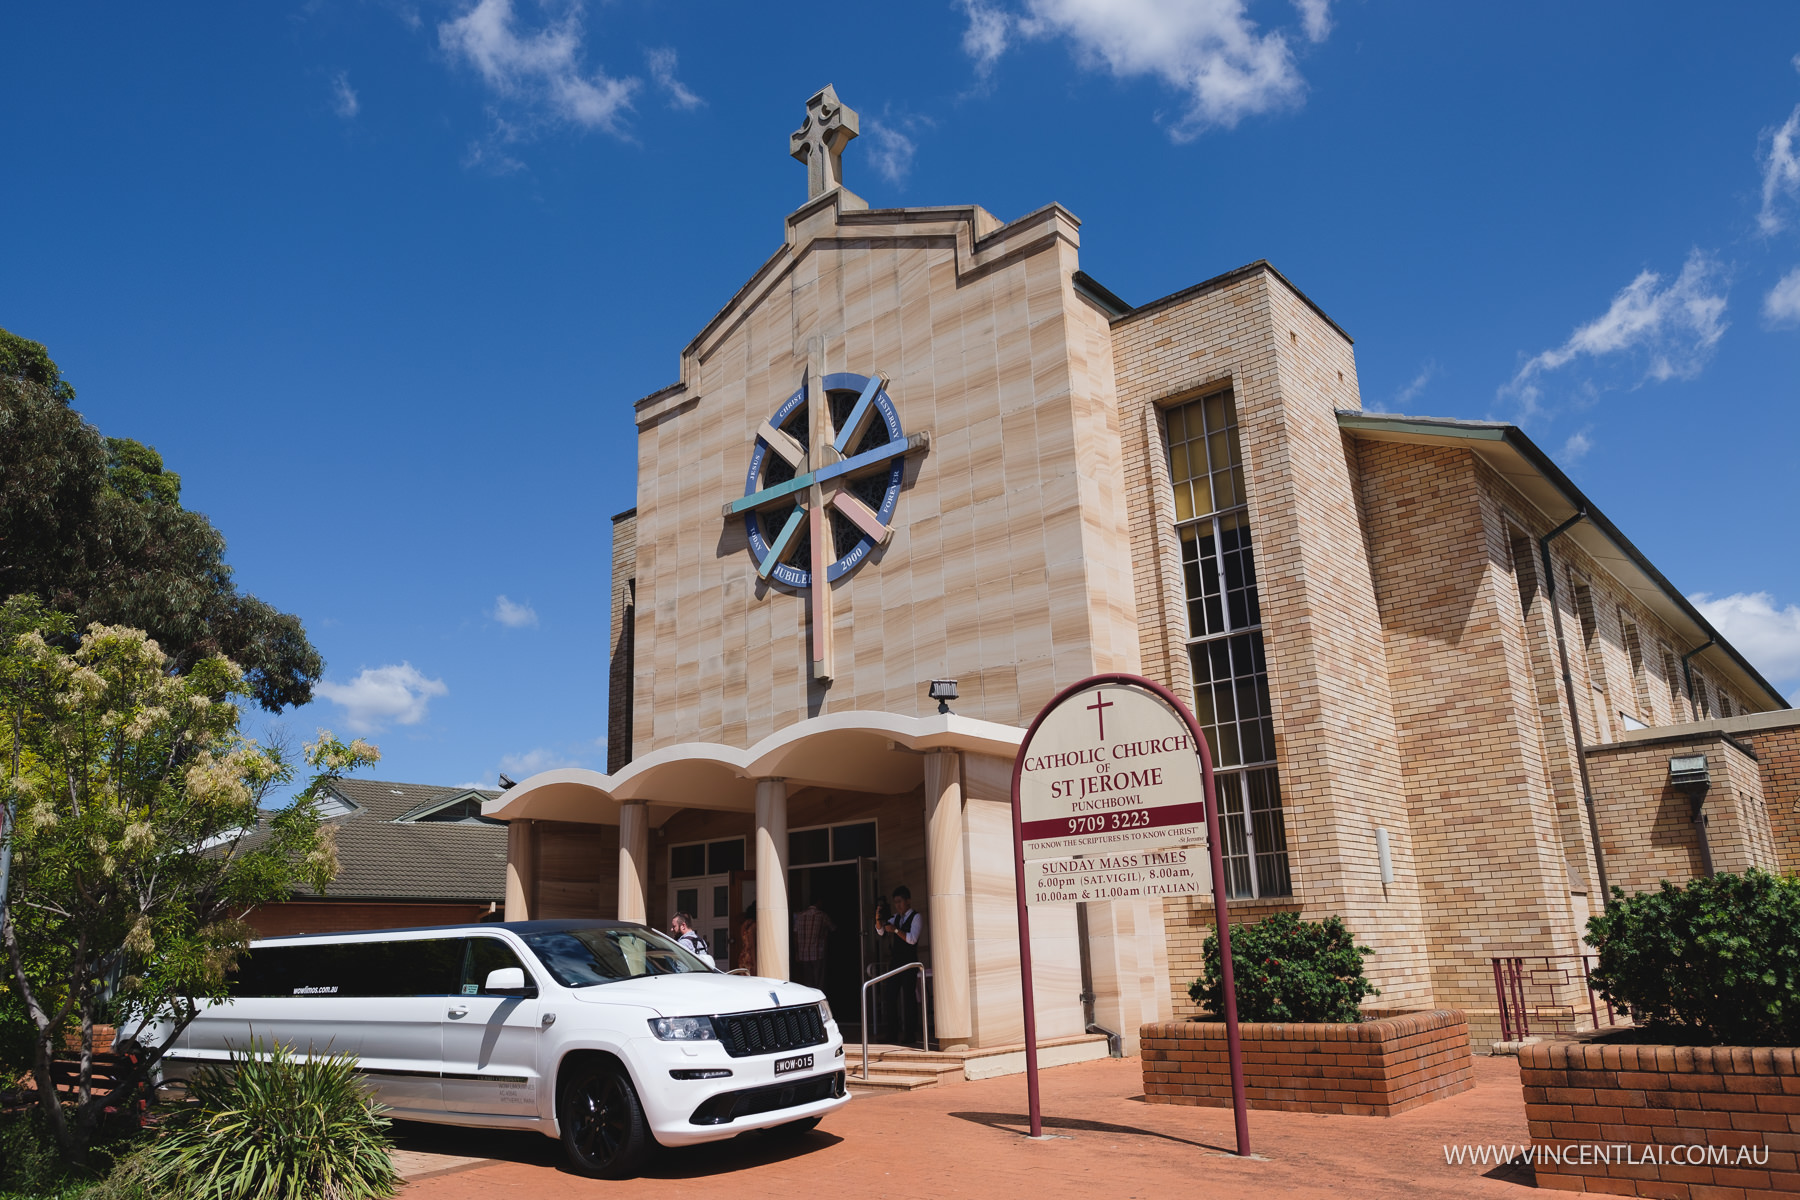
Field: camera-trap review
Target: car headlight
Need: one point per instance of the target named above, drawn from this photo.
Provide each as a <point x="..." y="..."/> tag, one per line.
<point x="683" y="1029"/>
<point x="825" y="1011"/>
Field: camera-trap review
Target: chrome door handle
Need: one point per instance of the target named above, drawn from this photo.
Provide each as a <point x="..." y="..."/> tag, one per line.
<point x="459" y="1011"/>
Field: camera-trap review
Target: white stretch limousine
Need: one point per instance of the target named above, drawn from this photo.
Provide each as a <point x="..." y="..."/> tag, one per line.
<point x="603" y="1033"/>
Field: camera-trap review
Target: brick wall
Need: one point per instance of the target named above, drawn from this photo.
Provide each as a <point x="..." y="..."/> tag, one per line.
<point x="1375" y="1068"/>
<point x="1778" y="752"/>
<point x="1652" y="1098"/>
<point x="1646" y="825"/>
<point x="1290" y="370"/>
<point x="1488" y="847"/>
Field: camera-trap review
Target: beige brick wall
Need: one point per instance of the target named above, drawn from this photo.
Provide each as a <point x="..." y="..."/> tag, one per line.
<point x="1009" y="568"/>
<point x="1488" y="848"/>
<point x="1779" y="753"/>
<point x="1290" y="370"/>
<point x="1646" y="825"/>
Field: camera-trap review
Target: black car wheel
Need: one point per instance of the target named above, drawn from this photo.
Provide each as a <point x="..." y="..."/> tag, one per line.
<point x="603" y="1128"/>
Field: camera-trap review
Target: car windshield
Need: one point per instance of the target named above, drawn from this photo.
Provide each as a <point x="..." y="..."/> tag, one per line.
<point x="585" y="957"/>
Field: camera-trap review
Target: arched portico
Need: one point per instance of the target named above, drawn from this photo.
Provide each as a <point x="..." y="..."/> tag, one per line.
<point x="949" y="757"/>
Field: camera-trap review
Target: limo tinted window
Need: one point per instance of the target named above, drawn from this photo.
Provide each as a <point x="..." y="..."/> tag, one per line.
<point x="584" y="957"/>
<point x="485" y="955"/>
<point x="422" y="967"/>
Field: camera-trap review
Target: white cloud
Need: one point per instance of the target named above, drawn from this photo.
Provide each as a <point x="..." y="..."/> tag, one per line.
<point x="380" y="695"/>
<point x="343" y="96"/>
<point x="1768" y="636"/>
<point x="541" y="70"/>
<point x="1315" y="18"/>
<point x="662" y="70"/>
<point x="1210" y="50"/>
<point x="532" y="761"/>
<point x="1781" y="172"/>
<point x="1677" y="325"/>
<point x="1411" y="391"/>
<point x="890" y="150"/>
<point x="986" y="38"/>
<point x="1578" y="445"/>
<point x="514" y="615"/>
<point x="1782" y="305"/>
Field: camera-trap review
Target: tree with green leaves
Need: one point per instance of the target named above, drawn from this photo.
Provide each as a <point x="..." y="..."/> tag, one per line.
<point x="94" y="527"/>
<point x="130" y="872"/>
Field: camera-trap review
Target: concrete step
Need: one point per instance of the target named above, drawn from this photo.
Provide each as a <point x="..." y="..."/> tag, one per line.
<point x="890" y="1081"/>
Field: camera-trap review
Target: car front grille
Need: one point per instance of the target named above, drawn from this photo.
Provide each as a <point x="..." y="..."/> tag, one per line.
<point x="727" y="1107"/>
<point x="770" y="1031"/>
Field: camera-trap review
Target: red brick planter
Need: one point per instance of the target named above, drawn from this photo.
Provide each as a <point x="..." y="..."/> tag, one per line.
<point x="1633" y="1120"/>
<point x="1371" y="1068"/>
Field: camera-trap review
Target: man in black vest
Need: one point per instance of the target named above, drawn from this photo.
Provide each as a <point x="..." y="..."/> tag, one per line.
<point x="905" y="924"/>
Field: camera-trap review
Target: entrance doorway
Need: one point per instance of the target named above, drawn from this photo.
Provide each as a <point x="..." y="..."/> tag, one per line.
<point x="700" y="884"/>
<point x="834" y="867"/>
<point x="837" y="892"/>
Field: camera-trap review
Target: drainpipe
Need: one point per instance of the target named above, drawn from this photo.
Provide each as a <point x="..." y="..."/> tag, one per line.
<point x="1562" y="650"/>
<point x="1687" y="677"/>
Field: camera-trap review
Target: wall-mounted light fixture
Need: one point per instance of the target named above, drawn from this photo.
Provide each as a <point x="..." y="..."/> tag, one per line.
<point x="1688" y="773"/>
<point x="943" y="691"/>
<point x="1686" y="770"/>
<point x="1384" y="857"/>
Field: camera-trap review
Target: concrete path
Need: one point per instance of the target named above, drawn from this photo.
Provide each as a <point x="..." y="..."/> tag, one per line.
<point x="966" y="1139"/>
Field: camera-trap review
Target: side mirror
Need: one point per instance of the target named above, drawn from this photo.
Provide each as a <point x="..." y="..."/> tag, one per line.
<point x="508" y="981"/>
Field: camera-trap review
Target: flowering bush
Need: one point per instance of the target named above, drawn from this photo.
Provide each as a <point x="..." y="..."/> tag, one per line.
<point x="1716" y="961"/>
<point x="1287" y="969"/>
<point x="129" y="792"/>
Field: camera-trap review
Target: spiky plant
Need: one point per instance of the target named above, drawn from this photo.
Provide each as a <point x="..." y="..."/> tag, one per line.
<point x="273" y="1125"/>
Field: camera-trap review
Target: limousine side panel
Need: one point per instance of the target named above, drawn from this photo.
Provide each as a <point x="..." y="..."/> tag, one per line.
<point x="398" y="1040"/>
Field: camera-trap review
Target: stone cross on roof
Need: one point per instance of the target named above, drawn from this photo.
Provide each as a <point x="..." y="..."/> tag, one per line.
<point x="820" y="141"/>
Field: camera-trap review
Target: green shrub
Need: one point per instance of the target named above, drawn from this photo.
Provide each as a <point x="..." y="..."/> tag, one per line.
<point x="1716" y="961"/>
<point x="1287" y="969"/>
<point x="274" y="1126"/>
<point x="29" y="1162"/>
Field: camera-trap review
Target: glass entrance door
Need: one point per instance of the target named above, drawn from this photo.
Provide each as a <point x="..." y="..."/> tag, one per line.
<point x="707" y="901"/>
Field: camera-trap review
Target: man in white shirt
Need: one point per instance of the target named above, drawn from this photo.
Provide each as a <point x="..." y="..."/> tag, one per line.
<point x="902" y="991"/>
<point x="681" y="928"/>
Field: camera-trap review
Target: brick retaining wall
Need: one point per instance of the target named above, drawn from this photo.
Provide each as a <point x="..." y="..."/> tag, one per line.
<point x="1371" y="1068"/>
<point x="1654" y="1098"/>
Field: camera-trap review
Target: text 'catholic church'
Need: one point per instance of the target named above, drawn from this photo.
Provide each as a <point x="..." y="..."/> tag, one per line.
<point x="920" y="443"/>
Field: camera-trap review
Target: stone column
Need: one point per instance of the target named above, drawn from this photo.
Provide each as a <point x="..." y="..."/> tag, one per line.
<point x="521" y="870"/>
<point x="634" y="860"/>
<point x="947" y="902"/>
<point x="771" y="879"/>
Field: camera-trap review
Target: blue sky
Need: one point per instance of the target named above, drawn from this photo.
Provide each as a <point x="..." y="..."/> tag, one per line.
<point x="382" y="279"/>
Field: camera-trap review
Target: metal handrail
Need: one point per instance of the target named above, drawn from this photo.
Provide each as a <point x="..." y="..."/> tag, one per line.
<point x="924" y="1009"/>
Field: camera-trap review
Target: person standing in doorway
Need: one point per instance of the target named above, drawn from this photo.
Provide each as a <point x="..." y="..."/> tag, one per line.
<point x="902" y="991"/>
<point x="681" y="928"/>
<point x="812" y="927"/>
<point x="746" y="939"/>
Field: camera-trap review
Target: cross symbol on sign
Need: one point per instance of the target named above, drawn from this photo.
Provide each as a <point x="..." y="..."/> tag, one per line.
<point x="1098" y="708"/>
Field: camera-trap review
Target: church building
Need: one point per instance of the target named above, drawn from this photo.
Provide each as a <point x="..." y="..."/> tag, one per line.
<point x="1442" y="689"/>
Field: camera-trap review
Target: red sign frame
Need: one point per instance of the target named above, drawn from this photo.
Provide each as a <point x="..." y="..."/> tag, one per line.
<point x="1234" y="1047"/>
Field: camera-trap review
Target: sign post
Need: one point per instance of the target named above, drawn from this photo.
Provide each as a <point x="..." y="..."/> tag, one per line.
<point x="1111" y="793"/>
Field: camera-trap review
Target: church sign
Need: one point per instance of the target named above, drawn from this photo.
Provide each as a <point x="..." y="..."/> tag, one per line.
<point x="1113" y="801"/>
<point x="1111" y="768"/>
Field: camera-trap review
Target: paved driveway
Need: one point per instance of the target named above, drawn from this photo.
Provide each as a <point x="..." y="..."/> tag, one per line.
<point x="967" y="1139"/>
